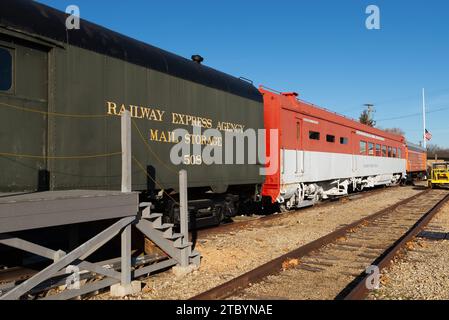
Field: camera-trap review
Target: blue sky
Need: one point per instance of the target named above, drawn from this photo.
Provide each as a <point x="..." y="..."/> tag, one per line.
<point x="319" y="48"/>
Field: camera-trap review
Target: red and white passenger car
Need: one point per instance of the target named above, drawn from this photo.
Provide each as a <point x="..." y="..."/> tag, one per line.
<point x="323" y="154"/>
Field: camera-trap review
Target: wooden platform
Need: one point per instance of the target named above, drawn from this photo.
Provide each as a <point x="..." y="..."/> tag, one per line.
<point x="20" y="212"/>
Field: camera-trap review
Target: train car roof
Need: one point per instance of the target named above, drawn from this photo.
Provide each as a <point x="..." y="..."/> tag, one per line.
<point x="352" y="123"/>
<point x="37" y="19"/>
<point x="415" y="147"/>
<point x="328" y="115"/>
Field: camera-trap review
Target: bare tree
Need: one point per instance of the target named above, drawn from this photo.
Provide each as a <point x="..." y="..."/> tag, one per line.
<point x="397" y="131"/>
<point x="435" y="150"/>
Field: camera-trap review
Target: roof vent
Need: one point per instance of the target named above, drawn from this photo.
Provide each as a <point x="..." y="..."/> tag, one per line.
<point x="197" y="58"/>
<point x="290" y="94"/>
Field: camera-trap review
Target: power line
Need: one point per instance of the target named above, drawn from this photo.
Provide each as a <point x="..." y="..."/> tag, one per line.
<point x="433" y="130"/>
<point x="413" y="114"/>
<point x="432" y="93"/>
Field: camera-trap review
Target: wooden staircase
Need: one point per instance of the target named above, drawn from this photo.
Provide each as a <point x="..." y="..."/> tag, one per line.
<point x="176" y="245"/>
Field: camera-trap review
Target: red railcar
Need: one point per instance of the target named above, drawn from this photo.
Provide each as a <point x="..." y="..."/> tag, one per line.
<point x="323" y="154"/>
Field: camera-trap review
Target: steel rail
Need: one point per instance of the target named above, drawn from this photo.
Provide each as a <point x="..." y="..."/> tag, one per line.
<point x="360" y="291"/>
<point x="275" y="266"/>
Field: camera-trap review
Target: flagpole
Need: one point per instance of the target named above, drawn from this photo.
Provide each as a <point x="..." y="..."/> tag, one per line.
<point x="424" y="117"/>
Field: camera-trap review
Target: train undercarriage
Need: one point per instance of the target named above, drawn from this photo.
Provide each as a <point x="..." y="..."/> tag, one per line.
<point x="299" y="195"/>
<point x="209" y="209"/>
<point x="206" y="208"/>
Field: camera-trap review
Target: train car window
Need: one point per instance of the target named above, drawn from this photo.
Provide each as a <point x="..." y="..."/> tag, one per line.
<point x="362" y="147"/>
<point x="313" y="135"/>
<point x="384" y="151"/>
<point x="371" y="149"/>
<point x="395" y="152"/>
<point x="399" y="153"/>
<point x="390" y="152"/>
<point x="378" y="150"/>
<point x="330" y="138"/>
<point x="344" y="140"/>
<point x="5" y="70"/>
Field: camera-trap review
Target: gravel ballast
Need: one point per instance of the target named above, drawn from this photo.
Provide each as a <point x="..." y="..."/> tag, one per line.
<point x="422" y="273"/>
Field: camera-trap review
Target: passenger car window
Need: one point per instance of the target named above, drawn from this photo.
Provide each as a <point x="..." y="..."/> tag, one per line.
<point x="399" y="153"/>
<point x="313" y="135"/>
<point x="5" y="70"/>
<point x="384" y="151"/>
<point x="371" y="149"/>
<point x="378" y="150"/>
<point x="390" y="152"/>
<point x="362" y="147"/>
<point x="344" y="140"/>
<point x="330" y="138"/>
<point x="395" y="151"/>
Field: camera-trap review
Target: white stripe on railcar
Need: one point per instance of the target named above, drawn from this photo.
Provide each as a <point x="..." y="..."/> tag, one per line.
<point x="304" y="168"/>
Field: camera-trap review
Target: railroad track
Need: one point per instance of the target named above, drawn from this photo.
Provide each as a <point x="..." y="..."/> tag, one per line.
<point x="9" y="277"/>
<point x="334" y="267"/>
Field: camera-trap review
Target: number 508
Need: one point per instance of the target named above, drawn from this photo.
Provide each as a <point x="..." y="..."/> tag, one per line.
<point x="194" y="160"/>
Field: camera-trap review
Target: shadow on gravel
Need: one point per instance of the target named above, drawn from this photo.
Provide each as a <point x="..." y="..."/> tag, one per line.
<point x="420" y="188"/>
<point x="346" y="291"/>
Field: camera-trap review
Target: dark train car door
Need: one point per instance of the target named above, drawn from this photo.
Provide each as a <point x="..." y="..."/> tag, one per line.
<point x="355" y="152"/>
<point x="23" y="114"/>
<point x="300" y="154"/>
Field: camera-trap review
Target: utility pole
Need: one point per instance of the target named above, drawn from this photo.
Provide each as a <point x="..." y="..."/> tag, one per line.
<point x="424" y="117"/>
<point x="370" y="108"/>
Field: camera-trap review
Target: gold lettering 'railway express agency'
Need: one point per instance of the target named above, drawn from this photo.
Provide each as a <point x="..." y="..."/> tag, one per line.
<point x="154" y="114"/>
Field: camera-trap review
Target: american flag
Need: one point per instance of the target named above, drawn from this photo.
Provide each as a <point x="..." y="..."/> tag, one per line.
<point x="428" y="135"/>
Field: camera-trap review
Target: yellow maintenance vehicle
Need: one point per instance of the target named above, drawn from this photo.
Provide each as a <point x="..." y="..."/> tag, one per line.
<point x="439" y="175"/>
